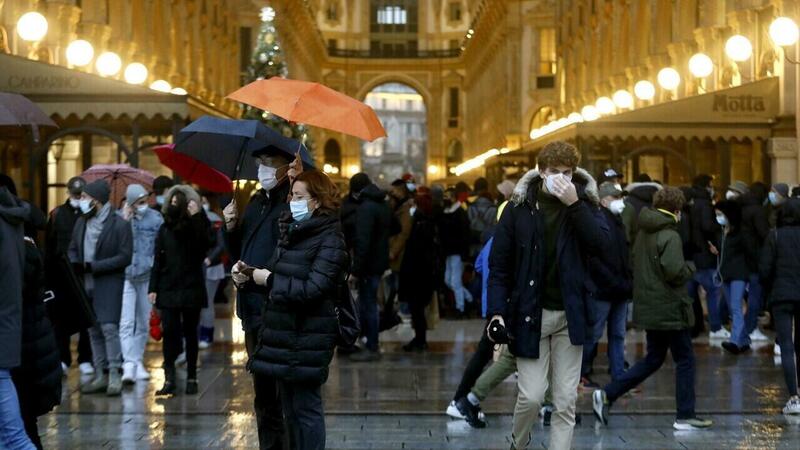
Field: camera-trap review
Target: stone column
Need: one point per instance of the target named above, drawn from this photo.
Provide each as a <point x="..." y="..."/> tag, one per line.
<point x="783" y="159"/>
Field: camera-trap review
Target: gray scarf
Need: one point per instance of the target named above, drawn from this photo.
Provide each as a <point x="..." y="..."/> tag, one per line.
<point x="94" y="227"/>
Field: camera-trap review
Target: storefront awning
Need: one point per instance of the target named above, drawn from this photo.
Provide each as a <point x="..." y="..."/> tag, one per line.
<point x="63" y="92"/>
<point x="742" y="112"/>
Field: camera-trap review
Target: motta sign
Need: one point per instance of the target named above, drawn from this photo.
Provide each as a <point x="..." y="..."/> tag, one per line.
<point x="739" y="103"/>
<point x="43" y="82"/>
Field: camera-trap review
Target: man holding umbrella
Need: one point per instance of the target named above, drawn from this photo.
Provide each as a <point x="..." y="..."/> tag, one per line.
<point x="251" y="239"/>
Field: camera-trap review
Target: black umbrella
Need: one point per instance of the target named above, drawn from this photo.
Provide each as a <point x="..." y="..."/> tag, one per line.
<point x="227" y="145"/>
<point x="18" y="111"/>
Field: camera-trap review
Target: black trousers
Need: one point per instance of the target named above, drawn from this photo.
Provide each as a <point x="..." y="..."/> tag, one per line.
<point x="272" y="433"/>
<point x="679" y="342"/>
<point x="790" y="348"/>
<point x="84" y="347"/>
<point x="305" y="418"/>
<point x="482" y="356"/>
<point x="179" y="324"/>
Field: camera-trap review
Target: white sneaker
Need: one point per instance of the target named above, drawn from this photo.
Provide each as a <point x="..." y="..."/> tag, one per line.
<point x="181" y="360"/>
<point x="128" y="373"/>
<point x="453" y="411"/>
<point x="722" y="333"/>
<point x="203" y="345"/>
<point x="757" y="335"/>
<point x="776" y="350"/>
<point x="141" y="372"/>
<point x="86" y="368"/>
<point x="792" y="406"/>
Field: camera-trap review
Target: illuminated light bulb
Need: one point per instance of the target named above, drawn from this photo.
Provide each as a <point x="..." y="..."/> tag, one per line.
<point x="575" y="117"/>
<point x="108" y="64"/>
<point x="738" y="48"/>
<point x="669" y="78"/>
<point x="178" y="91"/>
<point x="80" y="53"/>
<point x="784" y="31"/>
<point x="700" y="65"/>
<point x="32" y="26"/>
<point x="160" y="85"/>
<point x="605" y="105"/>
<point x="590" y="113"/>
<point x="623" y="99"/>
<point x="644" y="90"/>
<point x="136" y="73"/>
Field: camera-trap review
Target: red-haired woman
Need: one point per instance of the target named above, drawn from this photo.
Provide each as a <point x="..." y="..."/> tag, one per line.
<point x="300" y="325"/>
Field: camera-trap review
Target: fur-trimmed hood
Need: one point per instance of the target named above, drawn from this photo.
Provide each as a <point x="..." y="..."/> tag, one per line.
<point x="187" y="190"/>
<point x="581" y="177"/>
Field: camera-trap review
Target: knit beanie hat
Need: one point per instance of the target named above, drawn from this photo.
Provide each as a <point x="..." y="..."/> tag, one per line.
<point x="782" y="189"/>
<point x="134" y="193"/>
<point x="98" y="190"/>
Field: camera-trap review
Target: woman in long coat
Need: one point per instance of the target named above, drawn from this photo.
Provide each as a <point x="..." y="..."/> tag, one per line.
<point x="306" y="275"/>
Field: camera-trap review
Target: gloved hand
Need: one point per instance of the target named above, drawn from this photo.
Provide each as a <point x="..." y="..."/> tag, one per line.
<point x="238" y="277"/>
<point x="260" y="276"/>
<point x="231" y="214"/>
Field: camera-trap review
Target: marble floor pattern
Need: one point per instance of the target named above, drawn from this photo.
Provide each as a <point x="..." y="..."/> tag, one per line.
<point x="399" y="402"/>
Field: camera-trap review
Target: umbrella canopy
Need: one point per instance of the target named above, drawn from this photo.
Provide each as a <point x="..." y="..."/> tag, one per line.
<point x="193" y="170"/>
<point x="118" y="177"/>
<point x="18" y="111"/>
<point x="312" y="104"/>
<point x="227" y="145"/>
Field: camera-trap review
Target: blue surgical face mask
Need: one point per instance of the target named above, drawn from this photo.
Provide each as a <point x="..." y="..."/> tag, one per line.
<point x="160" y="200"/>
<point x="299" y="210"/>
<point x="775" y="199"/>
<point x="722" y="220"/>
<point x="411" y="187"/>
<point x="141" y="209"/>
<point x="86" y="205"/>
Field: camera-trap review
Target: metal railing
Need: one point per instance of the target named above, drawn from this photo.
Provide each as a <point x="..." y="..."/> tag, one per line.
<point x="406" y="53"/>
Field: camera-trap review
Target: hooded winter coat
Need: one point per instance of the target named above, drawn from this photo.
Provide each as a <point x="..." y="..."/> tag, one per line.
<point x="755" y="227"/>
<point x="733" y="251"/>
<point x="178" y="275"/>
<point x="300" y="326"/>
<point x="253" y="241"/>
<point x="398" y="242"/>
<point x="13" y="214"/>
<point x="454" y="231"/>
<point x="38" y="378"/>
<point x="660" y="274"/>
<point x="422" y="263"/>
<point x="640" y="196"/>
<point x="114" y="251"/>
<point x="705" y="229"/>
<point x="611" y="271"/>
<point x="371" y="240"/>
<point x="517" y="276"/>
<point x="780" y="258"/>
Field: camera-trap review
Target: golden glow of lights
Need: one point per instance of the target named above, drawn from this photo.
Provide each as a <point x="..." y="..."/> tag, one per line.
<point x="738" y="48"/>
<point x="700" y="65"/>
<point x="623" y="99"/>
<point x="590" y="113"/>
<point x="605" y="105"/>
<point x="669" y="78"/>
<point x="80" y="53"/>
<point x="32" y="26"/>
<point x="644" y="90"/>
<point x="784" y="31"/>
<point x="108" y="64"/>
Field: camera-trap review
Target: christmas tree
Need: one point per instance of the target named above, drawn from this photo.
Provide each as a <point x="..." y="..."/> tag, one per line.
<point x="267" y="62"/>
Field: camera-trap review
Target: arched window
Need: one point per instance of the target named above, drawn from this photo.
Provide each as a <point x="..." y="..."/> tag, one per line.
<point x="543" y="116"/>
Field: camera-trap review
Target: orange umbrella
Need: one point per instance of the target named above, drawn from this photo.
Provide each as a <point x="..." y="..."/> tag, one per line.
<point x="312" y="104"/>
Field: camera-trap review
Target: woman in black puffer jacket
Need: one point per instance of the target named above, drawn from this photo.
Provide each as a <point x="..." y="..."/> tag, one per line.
<point x="38" y="378"/>
<point x="300" y="326"/>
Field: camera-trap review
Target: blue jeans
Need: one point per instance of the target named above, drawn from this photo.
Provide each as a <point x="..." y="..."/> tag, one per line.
<point x="679" y="342"/>
<point x="368" y="307"/>
<point x="12" y="430"/>
<point x="614" y="315"/>
<point x="705" y="278"/>
<point x="734" y="297"/>
<point x="454" y="269"/>
<point x="754" y="295"/>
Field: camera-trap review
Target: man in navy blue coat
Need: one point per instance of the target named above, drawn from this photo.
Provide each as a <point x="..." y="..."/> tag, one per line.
<point x="540" y="288"/>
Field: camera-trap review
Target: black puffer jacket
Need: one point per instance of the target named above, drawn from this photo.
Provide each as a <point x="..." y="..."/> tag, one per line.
<point x="300" y="326"/>
<point x="611" y="270"/>
<point x="780" y="258"/>
<point x="733" y="252"/>
<point x="705" y="229"/>
<point x="38" y="378"/>
<point x="178" y="275"/>
<point x="755" y="227"/>
<point x="454" y="232"/>
<point x="373" y="223"/>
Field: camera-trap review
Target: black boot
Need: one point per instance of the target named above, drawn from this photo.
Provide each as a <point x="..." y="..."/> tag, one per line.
<point x="191" y="387"/>
<point x="169" y="388"/>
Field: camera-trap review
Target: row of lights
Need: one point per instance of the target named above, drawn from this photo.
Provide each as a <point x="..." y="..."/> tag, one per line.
<point x="33" y="26"/>
<point x="783" y="31"/>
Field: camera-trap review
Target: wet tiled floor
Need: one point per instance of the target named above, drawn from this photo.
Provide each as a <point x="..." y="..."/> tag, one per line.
<point x="399" y="403"/>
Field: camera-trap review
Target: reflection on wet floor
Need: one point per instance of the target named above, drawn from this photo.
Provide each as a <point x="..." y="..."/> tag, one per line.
<point x="399" y="403"/>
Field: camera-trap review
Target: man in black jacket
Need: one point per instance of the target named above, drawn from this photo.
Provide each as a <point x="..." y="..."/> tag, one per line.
<point x="705" y="235"/>
<point x="58" y="236"/>
<point x="540" y="288"/>
<point x="370" y="260"/>
<point x="755" y="228"/>
<point x="252" y="238"/>
<point x="612" y="273"/>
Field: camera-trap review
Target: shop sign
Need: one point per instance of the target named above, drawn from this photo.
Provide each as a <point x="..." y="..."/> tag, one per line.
<point x="738" y="103"/>
<point x="43" y="82"/>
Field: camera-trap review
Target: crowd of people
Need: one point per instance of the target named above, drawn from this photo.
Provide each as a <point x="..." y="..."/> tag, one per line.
<point x="551" y="258"/>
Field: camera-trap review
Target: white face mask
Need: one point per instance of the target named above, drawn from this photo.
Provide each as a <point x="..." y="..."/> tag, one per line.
<point x="550" y="181"/>
<point x="299" y="210"/>
<point x="141" y="209"/>
<point x="266" y="176"/>
<point x="775" y="199"/>
<point x="730" y="195"/>
<point x="617" y="206"/>
<point x="206" y="207"/>
<point x="86" y="205"/>
<point x="160" y="200"/>
<point x="722" y="220"/>
<point x="75" y="203"/>
<point x="411" y="187"/>
<point x="412" y="210"/>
